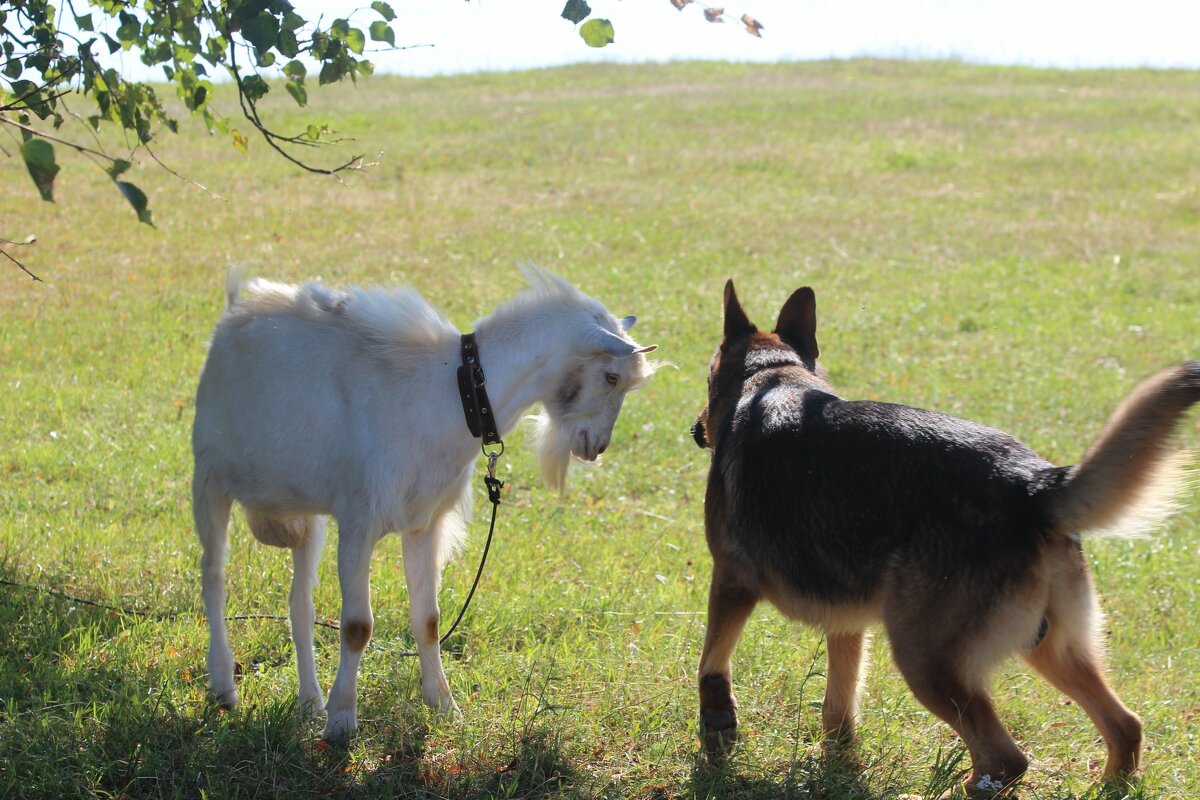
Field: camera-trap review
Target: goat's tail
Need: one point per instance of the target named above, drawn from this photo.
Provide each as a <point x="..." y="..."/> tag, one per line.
<point x="1129" y="480"/>
<point x="233" y="285"/>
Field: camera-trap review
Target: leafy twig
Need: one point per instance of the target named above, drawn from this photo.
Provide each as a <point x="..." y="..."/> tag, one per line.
<point x="250" y="111"/>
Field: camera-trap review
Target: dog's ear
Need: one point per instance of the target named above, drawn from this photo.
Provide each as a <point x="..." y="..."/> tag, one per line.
<point x="797" y="323"/>
<point x="736" y="321"/>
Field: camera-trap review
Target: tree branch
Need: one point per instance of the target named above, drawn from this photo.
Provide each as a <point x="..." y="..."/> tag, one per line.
<point x="4" y="118"/>
<point x="24" y="268"/>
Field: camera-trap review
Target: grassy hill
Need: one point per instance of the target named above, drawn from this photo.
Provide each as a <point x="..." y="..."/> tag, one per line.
<point x="1011" y="245"/>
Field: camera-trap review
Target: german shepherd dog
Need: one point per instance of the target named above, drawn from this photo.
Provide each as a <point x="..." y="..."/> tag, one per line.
<point x="960" y="539"/>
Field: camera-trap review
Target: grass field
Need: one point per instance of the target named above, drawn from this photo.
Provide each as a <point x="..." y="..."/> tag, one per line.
<point x="1015" y="246"/>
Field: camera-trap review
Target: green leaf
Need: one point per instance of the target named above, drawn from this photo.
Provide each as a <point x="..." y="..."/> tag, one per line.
<point x="340" y="28"/>
<point x="198" y="97"/>
<point x="295" y="69"/>
<point x="384" y="10"/>
<point x="355" y="40"/>
<point x="382" y="32"/>
<point x="15" y="67"/>
<point x="137" y="199"/>
<point x="84" y="23"/>
<point x="119" y="166"/>
<point x="39" y="160"/>
<point x="576" y="11"/>
<point x="254" y="87"/>
<point x="597" y="32"/>
<point x="287" y="44"/>
<point x="331" y="72"/>
<point x="292" y="21"/>
<point x="262" y="31"/>
<point x="297" y="91"/>
<point x="129" y="28"/>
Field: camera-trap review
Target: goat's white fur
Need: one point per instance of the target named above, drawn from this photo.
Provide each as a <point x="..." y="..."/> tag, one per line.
<point x="315" y="401"/>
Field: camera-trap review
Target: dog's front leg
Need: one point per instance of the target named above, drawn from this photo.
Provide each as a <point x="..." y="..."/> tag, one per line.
<point x="729" y="605"/>
<point x="839" y="714"/>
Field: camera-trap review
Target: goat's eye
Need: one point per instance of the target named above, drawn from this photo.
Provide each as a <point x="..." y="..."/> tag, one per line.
<point x="612" y="378"/>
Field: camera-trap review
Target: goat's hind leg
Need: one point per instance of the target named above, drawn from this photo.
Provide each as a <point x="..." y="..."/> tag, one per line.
<point x="305" y="557"/>
<point x="210" y="510"/>
<point x="425" y="554"/>
<point x="355" y="542"/>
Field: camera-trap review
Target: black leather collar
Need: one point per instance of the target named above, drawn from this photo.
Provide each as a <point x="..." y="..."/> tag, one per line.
<point x="476" y="406"/>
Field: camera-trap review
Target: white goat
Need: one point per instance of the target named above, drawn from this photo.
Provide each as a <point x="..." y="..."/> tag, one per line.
<point x="314" y="401"/>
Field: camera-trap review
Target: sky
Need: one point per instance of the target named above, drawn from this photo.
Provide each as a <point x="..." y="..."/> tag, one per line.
<point x="453" y="36"/>
<point x="520" y="34"/>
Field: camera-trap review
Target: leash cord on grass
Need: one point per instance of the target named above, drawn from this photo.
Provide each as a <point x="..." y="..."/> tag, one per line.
<point x="144" y="614"/>
<point x="164" y="617"/>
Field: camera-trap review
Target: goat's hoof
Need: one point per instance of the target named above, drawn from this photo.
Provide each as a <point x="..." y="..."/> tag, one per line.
<point x="338" y="727"/>
<point x="313" y="709"/>
<point x="226" y="701"/>
<point x="719" y="732"/>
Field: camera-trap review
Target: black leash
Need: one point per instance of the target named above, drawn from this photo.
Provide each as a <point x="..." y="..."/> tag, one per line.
<point x="478" y="411"/>
<point x="481" y="421"/>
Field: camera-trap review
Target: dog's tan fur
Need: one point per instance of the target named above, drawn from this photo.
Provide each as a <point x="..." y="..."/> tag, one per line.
<point x="958" y="538"/>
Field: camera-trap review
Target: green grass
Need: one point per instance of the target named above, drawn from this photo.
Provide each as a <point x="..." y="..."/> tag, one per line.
<point x="1015" y="246"/>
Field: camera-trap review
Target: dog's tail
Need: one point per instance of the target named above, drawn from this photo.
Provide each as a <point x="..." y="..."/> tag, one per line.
<point x="1127" y="483"/>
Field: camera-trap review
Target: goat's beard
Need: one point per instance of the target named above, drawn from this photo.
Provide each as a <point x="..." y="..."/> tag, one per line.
<point x="554" y="450"/>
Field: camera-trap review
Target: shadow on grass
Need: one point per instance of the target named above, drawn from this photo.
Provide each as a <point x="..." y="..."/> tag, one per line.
<point x="98" y="703"/>
<point x="836" y="774"/>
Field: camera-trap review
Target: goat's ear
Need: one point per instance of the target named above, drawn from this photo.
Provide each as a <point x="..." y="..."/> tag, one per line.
<point x="736" y="321"/>
<point x="797" y="323"/>
<point x="607" y="342"/>
<point x="627" y="323"/>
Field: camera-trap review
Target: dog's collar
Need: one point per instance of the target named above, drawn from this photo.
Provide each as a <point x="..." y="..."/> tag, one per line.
<point x="476" y="406"/>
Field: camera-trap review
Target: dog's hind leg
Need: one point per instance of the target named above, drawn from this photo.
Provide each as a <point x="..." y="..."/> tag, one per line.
<point x="729" y="605"/>
<point x="940" y="683"/>
<point x="839" y="716"/>
<point x="1077" y="673"/>
<point x="1069" y="658"/>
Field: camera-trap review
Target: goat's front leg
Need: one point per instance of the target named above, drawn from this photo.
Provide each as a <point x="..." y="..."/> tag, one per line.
<point x="423" y="571"/>
<point x="355" y="542"/>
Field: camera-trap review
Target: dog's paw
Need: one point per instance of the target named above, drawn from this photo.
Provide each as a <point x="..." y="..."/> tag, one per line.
<point x="980" y="787"/>
<point x="718" y="729"/>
